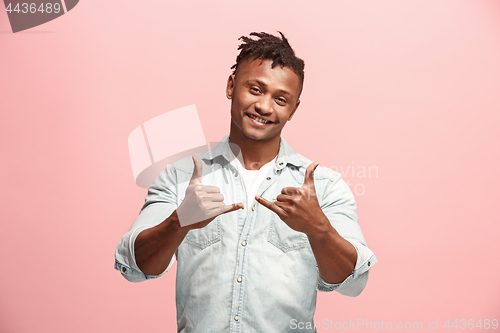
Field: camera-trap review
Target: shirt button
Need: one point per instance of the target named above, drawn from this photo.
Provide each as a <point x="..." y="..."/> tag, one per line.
<point x="239" y="279"/>
<point x="268" y="178"/>
<point x="236" y="174"/>
<point x="369" y="263"/>
<point x="281" y="163"/>
<point x="124" y="269"/>
<point x="243" y="243"/>
<point x="236" y="318"/>
<point x="253" y="207"/>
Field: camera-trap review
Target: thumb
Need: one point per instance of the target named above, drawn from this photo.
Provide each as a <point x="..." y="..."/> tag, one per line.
<point x="309" y="177"/>
<point x="197" y="171"/>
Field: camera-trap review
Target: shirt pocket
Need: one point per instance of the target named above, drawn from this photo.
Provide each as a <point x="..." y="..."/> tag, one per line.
<point x="206" y="236"/>
<point x="285" y="238"/>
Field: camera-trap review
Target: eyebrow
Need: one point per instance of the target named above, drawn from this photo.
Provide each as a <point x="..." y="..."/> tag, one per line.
<point x="265" y="85"/>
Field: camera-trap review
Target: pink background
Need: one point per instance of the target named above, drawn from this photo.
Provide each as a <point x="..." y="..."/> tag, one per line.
<point x="410" y="88"/>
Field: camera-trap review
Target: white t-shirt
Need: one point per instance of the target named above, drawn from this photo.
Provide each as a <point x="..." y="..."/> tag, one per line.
<point x="251" y="178"/>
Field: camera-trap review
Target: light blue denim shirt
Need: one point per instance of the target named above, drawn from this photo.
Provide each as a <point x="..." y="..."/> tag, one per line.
<point x="248" y="274"/>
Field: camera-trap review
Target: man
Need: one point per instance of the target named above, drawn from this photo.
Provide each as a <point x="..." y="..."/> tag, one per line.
<point x="291" y="228"/>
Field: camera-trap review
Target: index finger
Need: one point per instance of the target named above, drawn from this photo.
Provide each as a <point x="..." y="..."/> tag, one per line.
<point x="269" y="205"/>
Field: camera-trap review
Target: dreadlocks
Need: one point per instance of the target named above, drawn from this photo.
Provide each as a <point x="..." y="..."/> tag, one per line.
<point x="272" y="48"/>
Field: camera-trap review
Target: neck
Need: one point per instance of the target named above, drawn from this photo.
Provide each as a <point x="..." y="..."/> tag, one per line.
<point x="255" y="153"/>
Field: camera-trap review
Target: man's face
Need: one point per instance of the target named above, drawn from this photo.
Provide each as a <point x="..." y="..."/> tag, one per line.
<point x="263" y="99"/>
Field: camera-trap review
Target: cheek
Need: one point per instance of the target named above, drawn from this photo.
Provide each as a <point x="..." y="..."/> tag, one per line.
<point x="247" y="98"/>
<point x="236" y="113"/>
<point x="283" y="117"/>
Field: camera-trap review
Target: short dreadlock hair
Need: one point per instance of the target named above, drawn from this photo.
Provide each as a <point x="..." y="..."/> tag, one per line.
<point x="272" y="48"/>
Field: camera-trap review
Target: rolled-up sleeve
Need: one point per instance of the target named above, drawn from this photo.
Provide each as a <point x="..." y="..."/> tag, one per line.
<point x="339" y="205"/>
<point x="160" y="203"/>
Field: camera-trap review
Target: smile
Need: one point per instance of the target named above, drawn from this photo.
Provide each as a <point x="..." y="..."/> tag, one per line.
<point x="258" y="120"/>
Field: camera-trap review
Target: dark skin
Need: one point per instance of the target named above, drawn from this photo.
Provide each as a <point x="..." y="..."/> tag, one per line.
<point x="298" y="207"/>
<point x="272" y="94"/>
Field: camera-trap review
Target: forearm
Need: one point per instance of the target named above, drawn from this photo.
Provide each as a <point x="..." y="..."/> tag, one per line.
<point x="335" y="256"/>
<point x="154" y="247"/>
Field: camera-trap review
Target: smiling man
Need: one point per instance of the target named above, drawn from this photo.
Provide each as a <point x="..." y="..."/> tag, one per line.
<point x="289" y="229"/>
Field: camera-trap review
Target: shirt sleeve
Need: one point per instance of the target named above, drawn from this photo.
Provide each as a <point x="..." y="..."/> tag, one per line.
<point x="339" y="206"/>
<point x="160" y="203"/>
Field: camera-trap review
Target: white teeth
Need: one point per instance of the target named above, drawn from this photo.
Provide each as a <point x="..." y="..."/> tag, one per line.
<point x="258" y="119"/>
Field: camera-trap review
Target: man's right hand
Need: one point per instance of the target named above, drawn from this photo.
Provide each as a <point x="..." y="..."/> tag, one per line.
<point x="202" y="203"/>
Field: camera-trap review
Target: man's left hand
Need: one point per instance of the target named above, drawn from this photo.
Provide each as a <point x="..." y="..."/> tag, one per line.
<point x="298" y="207"/>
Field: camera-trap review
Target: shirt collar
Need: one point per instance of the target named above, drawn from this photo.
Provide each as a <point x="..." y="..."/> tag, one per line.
<point x="286" y="154"/>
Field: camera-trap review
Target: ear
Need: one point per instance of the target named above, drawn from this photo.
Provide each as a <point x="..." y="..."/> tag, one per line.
<point x="230" y="87"/>
<point x="295" y="109"/>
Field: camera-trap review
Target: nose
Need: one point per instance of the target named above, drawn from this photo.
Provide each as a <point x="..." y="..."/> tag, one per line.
<point x="264" y="105"/>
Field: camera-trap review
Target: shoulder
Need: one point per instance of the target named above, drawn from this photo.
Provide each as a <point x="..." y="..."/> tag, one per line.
<point x="320" y="173"/>
<point x="299" y="163"/>
<point x="325" y="173"/>
<point x="323" y="176"/>
<point x="185" y="165"/>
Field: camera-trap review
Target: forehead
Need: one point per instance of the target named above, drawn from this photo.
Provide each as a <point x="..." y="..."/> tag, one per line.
<point x="261" y="70"/>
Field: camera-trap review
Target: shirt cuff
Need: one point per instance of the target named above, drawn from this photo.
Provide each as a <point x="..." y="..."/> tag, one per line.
<point x="354" y="284"/>
<point x="125" y="258"/>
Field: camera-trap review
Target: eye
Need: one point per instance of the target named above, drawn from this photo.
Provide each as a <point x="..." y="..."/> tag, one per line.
<point x="255" y="90"/>
<point x="281" y="100"/>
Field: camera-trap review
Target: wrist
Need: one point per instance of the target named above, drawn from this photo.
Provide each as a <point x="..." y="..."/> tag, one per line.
<point x="321" y="229"/>
<point x="171" y="225"/>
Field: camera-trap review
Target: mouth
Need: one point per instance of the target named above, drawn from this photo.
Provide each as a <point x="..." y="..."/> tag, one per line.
<point x="257" y="120"/>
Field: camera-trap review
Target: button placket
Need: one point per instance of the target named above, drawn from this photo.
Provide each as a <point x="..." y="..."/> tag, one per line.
<point x="241" y="252"/>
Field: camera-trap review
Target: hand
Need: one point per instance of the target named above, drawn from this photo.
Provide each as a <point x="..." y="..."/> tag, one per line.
<point x="202" y="203"/>
<point x="298" y="207"/>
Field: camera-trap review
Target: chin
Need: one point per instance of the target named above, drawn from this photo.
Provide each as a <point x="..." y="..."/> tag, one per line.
<point x="257" y="136"/>
<point x="253" y="137"/>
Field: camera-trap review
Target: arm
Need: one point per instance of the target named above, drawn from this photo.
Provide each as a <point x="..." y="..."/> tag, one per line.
<point x="160" y="204"/>
<point x="335" y="256"/>
<point x="147" y="250"/>
<point x="332" y="229"/>
<point x="339" y="206"/>
<point x="155" y="247"/>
